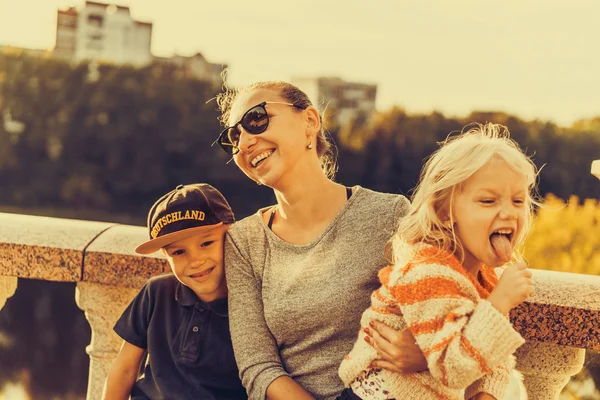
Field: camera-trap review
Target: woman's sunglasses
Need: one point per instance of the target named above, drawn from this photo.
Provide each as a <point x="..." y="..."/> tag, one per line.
<point x="254" y="121"/>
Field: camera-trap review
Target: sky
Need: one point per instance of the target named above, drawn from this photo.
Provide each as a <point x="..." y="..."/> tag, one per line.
<point x="533" y="59"/>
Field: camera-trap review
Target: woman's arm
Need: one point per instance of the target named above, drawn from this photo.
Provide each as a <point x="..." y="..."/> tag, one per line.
<point x="123" y="372"/>
<point x="255" y="348"/>
<point x="284" y="388"/>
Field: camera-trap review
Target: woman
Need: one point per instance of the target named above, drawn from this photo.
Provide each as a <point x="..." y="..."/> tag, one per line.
<point x="300" y="272"/>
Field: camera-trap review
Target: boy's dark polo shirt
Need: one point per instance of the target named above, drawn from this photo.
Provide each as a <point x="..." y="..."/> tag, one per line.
<point x="189" y="347"/>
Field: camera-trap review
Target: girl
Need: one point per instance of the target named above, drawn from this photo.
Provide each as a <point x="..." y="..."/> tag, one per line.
<point x="471" y="209"/>
<point x="291" y="325"/>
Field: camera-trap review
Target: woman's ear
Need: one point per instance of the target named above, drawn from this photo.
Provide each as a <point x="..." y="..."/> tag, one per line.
<point x="313" y="121"/>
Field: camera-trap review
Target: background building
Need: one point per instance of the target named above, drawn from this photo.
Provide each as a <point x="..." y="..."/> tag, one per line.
<point x="102" y="32"/>
<point x="343" y="100"/>
<point x="195" y="66"/>
<point x="107" y="33"/>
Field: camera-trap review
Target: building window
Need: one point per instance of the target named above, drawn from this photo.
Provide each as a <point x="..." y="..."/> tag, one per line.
<point x="95" y="20"/>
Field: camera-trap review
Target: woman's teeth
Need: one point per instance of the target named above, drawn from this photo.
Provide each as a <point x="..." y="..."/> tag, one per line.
<point x="256" y="160"/>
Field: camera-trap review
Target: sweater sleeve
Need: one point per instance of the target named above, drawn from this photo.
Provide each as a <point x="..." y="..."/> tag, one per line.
<point x="494" y="382"/>
<point x="254" y="346"/>
<point x="462" y="337"/>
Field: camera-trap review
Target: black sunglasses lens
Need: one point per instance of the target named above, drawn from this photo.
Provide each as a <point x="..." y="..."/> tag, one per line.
<point x="255" y="120"/>
<point x="229" y="146"/>
<point x="233" y="136"/>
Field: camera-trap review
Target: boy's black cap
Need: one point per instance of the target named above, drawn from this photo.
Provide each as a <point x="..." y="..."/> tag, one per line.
<point x="184" y="212"/>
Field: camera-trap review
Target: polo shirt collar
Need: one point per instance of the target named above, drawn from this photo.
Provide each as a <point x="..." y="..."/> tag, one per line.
<point x="218" y="307"/>
<point x="186" y="297"/>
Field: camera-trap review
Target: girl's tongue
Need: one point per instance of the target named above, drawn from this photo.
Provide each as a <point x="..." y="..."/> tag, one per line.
<point x="501" y="246"/>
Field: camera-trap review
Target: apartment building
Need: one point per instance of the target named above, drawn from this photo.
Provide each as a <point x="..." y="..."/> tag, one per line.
<point x="102" y="32"/>
<point x="343" y="100"/>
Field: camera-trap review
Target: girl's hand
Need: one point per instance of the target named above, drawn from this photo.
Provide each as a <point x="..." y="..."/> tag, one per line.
<point x="514" y="286"/>
<point x="398" y="351"/>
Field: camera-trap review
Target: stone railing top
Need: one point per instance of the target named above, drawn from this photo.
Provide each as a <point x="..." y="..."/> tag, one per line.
<point x="45" y="248"/>
<point x="111" y="260"/>
<point x="565" y="308"/>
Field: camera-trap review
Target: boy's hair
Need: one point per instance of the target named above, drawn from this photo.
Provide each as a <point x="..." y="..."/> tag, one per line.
<point x="457" y="159"/>
<point x="183" y="212"/>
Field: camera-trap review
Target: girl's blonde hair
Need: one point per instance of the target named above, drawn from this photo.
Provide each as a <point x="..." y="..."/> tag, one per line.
<point x="457" y="159"/>
<point x="326" y="149"/>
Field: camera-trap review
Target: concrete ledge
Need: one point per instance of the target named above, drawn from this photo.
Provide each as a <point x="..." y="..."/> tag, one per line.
<point x="564" y="309"/>
<point x="110" y="259"/>
<point x="45" y="248"/>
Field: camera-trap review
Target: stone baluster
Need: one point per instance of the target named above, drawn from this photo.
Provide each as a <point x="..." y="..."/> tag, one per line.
<point x="8" y="286"/>
<point x="547" y="368"/>
<point x="102" y="305"/>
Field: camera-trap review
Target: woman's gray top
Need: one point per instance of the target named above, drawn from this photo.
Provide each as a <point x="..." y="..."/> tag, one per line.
<point x="295" y="309"/>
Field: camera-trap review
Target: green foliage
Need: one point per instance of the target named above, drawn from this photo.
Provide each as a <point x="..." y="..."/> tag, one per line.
<point x="565" y="236"/>
<point x="110" y="144"/>
<point x="115" y="143"/>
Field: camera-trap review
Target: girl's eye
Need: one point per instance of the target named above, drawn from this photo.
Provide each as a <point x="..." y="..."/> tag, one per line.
<point x="519" y="201"/>
<point x="487" y="201"/>
<point x="177" y="253"/>
<point x="208" y="243"/>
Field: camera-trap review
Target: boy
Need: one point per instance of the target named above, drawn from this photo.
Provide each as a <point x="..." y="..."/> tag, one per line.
<point x="180" y="319"/>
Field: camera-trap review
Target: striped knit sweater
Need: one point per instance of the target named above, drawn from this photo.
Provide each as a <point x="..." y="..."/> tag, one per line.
<point x="467" y="342"/>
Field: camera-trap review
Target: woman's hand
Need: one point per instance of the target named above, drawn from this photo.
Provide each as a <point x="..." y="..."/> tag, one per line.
<point x="398" y="350"/>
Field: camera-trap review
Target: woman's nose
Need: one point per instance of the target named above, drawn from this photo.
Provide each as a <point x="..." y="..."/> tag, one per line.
<point x="246" y="141"/>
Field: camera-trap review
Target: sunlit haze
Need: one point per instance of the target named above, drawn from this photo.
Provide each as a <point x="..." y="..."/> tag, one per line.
<point x="533" y="59"/>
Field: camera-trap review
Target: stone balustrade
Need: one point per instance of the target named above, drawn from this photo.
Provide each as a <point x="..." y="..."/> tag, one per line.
<point x="559" y="321"/>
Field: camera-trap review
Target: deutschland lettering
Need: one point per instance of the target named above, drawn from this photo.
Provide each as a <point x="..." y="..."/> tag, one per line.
<point x="174" y="217"/>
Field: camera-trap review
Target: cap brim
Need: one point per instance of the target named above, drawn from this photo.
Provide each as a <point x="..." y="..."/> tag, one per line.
<point x="154" y="245"/>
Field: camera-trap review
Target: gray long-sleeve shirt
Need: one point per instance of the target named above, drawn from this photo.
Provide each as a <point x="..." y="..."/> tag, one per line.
<point x="295" y="309"/>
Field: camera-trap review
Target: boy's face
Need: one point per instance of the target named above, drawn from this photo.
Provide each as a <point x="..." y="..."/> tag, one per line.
<point x="197" y="262"/>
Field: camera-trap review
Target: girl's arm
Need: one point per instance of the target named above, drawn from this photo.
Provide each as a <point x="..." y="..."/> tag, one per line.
<point x="492" y="385"/>
<point x="123" y="372"/>
<point x="462" y="337"/>
<point x="255" y="348"/>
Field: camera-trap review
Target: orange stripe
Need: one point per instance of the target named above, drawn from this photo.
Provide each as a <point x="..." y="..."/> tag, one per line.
<point x="433" y="325"/>
<point x="441" y="362"/>
<point x="438" y="346"/>
<point x="489" y="279"/>
<point x="430" y="287"/>
<point x="435" y="255"/>
<point x="377" y="294"/>
<point x="438" y="395"/>
<point x="474" y="353"/>
<point x="381" y="310"/>
<point x="384" y="275"/>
